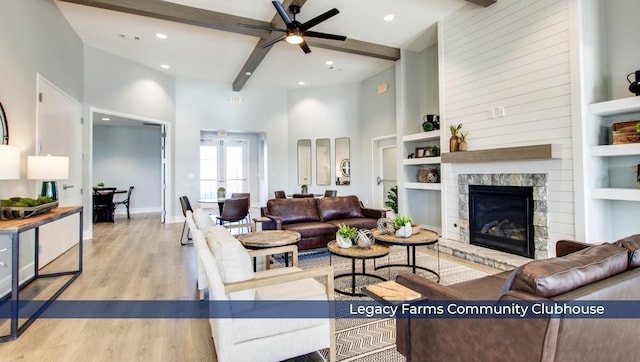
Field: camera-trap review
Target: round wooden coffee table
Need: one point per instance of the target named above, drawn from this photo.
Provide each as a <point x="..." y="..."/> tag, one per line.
<point x="353" y="253"/>
<point x="422" y="237"/>
<point x="269" y="239"/>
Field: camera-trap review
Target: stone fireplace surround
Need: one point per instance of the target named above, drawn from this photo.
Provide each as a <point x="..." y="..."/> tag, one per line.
<point x="540" y="210"/>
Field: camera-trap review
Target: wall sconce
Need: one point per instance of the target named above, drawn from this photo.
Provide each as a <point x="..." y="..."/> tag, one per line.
<point x="9" y="162"/>
<point x="48" y="169"/>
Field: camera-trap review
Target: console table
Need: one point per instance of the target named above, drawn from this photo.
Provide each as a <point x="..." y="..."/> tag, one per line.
<point x="13" y="228"/>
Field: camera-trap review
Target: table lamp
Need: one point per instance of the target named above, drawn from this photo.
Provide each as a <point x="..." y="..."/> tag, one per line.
<point x="48" y="169"/>
<point x="9" y="162"/>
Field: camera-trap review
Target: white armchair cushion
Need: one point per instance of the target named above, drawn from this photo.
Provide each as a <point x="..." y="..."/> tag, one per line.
<point x="203" y="220"/>
<point x="234" y="263"/>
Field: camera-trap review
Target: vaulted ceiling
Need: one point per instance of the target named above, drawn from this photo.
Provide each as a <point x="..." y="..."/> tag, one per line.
<point x="204" y="40"/>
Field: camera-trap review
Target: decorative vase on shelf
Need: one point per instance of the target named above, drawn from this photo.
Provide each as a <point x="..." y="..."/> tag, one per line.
<point x="462" y="145"/>
<point x="454" y="144"/>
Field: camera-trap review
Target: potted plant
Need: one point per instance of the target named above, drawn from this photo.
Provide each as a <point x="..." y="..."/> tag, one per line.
<point x="392" y="199"/>
<point x="462" y="143"/>
<point x="401" y="221"/>
<point x="221" y="192"/>
<point x="100" y="184"/>
<point x="304" y="189"/>
<point x="346" y="236"/>
<point x="454" y="140"/>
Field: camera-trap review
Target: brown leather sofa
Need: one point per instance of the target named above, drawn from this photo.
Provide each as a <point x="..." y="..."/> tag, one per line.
<point x="317" y="220"/>
<point x="580" y="272"/>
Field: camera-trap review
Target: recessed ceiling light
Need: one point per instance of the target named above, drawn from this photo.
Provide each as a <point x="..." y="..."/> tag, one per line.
<point x="389" y="17"/>
<point x="161" y="36"/>
<point x="301" y="83"/>
<point x="106" y="119"/>
<point x="329" y="62"/>
<point x="164" y="66"/>
<point x="247" y="73"/>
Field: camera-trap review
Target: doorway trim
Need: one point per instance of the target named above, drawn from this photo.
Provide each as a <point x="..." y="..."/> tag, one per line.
<point x="376" y="162"/>
<point x="165" y="179"/>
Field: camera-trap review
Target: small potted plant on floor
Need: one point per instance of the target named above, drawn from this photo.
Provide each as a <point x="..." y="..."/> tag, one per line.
<point x="221" y="192"/>
<point x="346" y="236"/>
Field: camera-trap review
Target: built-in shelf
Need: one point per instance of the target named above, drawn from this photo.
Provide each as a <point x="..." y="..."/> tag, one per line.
<point x="422" y="136"/>
<point x="422" y="186"/>
<point x="421" y="161"/>
<point x="629" y="149"/>
<point x="547" y="151"/>
<point x="616" y="194"/>
<point x="616" y="106"/>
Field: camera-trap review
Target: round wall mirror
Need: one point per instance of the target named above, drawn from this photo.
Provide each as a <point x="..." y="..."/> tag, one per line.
<point x="4" y="127"/>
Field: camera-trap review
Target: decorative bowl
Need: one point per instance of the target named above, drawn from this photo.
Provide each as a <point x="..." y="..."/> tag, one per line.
<point x="12" y="213"/>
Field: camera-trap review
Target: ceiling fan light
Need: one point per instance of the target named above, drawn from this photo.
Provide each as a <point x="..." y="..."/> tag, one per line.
<point x="294" y="39"/>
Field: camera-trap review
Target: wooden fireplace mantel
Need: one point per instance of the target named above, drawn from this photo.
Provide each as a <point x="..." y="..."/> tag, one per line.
<point x="545" y="152"/>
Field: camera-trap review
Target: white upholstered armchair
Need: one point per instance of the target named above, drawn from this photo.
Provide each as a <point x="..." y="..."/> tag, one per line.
<point x="230" y="277"/>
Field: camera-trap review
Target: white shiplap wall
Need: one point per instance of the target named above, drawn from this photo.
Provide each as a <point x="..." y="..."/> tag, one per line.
<point x="513" y="54"/>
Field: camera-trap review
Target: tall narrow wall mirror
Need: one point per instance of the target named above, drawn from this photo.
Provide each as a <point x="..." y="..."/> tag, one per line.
<point x="343" y="161"/>
<point x="304" y="162"/>
<point x="323" y="162"/>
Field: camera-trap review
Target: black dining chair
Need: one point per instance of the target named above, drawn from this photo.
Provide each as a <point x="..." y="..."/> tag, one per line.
<point x="125" y="202"/>
<point x="330" y="193"/>
<point x="186" y="206"/>
<point x="234" y="210"/>
<point x="103" y="206"/>
<point x="280" y="195"/>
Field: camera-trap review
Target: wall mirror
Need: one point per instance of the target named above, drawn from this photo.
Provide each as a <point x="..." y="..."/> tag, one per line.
<point x="304" y="162"/>
<point x="4" y="127"/>
<point x="323" y="162"/>
<point x="343" y="161"/>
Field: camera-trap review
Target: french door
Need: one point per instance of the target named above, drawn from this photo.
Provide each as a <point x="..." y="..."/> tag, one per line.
<point x="223" y="163"/>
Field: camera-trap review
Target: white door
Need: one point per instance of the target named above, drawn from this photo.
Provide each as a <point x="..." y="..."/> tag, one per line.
<point x="59" y="133"/>
<point x="386" y="170"/>
<point x="223" y="163"/>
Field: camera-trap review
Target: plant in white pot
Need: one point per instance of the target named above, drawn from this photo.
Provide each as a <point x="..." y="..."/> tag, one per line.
<point x="221" y="192"/>
<point x="346" y="236"/>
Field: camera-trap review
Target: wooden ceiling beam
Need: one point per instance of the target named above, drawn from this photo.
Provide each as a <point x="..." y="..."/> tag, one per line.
<point x="259" y="53"/>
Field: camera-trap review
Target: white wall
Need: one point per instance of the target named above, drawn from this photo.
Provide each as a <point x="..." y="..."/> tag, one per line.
<point x="126" y="156"/>
<point x="513" y="54"/>
<point x="202" y="105"/>
<point x="34" y="38"/>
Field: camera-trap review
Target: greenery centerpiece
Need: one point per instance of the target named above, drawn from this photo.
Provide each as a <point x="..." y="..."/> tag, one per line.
<point x="221" y="192"/>
<point x="346" y="236"/>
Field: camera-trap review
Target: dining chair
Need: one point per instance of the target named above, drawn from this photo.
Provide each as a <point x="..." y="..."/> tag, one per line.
<point x="234" y="210"/>
<point x="236" y="195"/>
<point x="103" y="206"/>
<point x="125" y="202"/>
<point x="330" y="193"/>
<point x="280" y="195"/>
<point x="186" y="206"/>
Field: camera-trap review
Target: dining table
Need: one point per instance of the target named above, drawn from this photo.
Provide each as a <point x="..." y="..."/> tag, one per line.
<point x="219" y="201"/>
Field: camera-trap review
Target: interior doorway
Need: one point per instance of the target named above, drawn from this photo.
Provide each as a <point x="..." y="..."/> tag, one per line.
<point x="384" y="168"/>
<point x="127" y="150"/>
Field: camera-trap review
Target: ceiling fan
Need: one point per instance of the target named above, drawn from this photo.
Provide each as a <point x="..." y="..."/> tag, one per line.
<point x="296" y="31"/>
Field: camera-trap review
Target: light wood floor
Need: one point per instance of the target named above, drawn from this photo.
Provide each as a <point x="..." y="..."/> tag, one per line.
<point x="139" y="259"/>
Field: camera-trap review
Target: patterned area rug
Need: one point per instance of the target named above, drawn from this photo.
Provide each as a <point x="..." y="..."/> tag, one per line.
<point x="374" y="339"/>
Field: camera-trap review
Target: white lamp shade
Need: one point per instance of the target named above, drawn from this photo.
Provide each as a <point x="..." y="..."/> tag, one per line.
<point x="9" y="162"/>
<point x="47" y="167"/>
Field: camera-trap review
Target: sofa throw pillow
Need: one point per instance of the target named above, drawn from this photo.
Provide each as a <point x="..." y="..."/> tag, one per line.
<point x="551" y="277"/>
<point x="203" y="220"/>
<point x="294" y="210"/>
<point x="632" y="244"/>
<point x="234" y="263"/>
<point x="341" y="207"/>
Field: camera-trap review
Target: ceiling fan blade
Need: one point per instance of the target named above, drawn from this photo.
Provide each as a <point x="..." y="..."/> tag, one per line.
<point x="283" y="13"/>
<point x="273" y="41"/>
<point x="261" y="27"/>
<point x="318" y="19"/>
<point x="315" y="34"/>
<point x="305" y="47"/>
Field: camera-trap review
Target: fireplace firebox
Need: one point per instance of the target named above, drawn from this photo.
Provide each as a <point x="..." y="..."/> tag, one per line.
<point x="501" y="218"/>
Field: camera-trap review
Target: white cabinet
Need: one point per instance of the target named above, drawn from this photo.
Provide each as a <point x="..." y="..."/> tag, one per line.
<point x="619" y="108"/>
